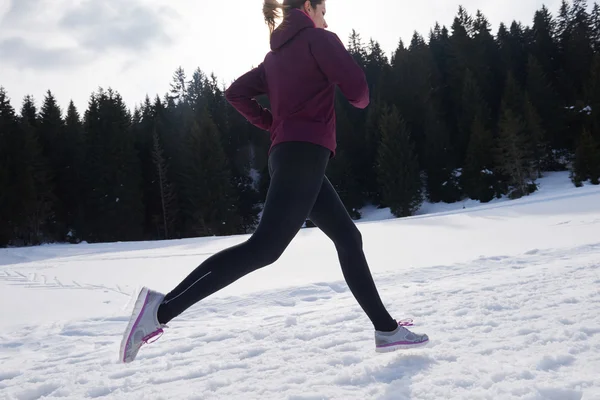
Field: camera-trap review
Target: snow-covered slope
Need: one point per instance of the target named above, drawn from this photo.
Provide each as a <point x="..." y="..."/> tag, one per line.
<point x="509" y="293"/>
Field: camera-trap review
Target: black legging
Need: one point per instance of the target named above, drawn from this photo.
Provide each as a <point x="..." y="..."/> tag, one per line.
<point x="298" y="189"/>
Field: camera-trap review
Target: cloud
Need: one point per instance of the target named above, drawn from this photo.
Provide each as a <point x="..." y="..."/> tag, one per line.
<point x="18" y="9"/>
<point x="116" y="24"/>
<point x="22" y="54"/>
<point x="46" y="34"/>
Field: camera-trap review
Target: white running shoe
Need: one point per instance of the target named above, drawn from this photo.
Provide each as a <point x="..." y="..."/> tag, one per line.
<point x="401" y="338"/>
<point x="142" y="326"/>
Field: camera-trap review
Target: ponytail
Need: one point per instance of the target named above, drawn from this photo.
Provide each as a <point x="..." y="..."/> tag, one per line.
<point x="271" y="11"/>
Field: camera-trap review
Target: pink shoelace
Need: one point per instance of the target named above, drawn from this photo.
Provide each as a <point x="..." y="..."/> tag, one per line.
<point x="159" y="333"/>
<point x="406" y="322"/>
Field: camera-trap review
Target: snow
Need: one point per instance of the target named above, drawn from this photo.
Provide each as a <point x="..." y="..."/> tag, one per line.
<point x="254" y="175"/>
<point x="586" y="109"/>
<point x="509" y="293"/>
<point x="552" y="185"/>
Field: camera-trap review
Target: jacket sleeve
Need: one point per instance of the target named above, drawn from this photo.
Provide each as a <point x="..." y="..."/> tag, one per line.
<point x="340" y="68"/>
<point x="241" y="95"/>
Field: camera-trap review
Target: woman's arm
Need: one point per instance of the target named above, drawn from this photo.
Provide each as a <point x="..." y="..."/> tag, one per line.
<point x="340" y="68"/>
<point x="242" y="93"/>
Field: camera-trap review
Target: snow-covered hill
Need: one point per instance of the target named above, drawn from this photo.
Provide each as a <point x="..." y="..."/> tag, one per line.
<point x="509" y="293"/>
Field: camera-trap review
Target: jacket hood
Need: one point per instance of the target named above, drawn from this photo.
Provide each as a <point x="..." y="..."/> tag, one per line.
<point x="292" y="25"/>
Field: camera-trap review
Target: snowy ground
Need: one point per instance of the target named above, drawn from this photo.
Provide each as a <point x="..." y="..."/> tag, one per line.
<point x="509" y="293"/>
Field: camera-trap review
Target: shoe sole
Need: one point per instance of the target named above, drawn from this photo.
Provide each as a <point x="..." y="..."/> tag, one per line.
<point x="138" y="310"/>
<point x="390" y="349"/>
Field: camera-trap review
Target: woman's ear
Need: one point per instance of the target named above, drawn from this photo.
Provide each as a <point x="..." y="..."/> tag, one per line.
<point x="307" y="7"/>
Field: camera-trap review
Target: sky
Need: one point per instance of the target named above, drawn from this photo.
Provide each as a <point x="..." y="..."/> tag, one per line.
<point x="73" y="47"/>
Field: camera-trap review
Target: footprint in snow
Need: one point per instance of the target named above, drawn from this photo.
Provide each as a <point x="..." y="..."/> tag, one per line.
<point x="552" y="363"/>
<point x="312" y="299"/>
<point x="8" y="375"/>
<point x="122" y="374"/>
<point x="41" y="391"/>
<point x="220" y="337"/>
<point x="336" y="287"/>
<point x="345" y="361"/>
<point x="252" y="353"/>
<point x="285" y="302"/>
<point x="526" y="331"/>
<point x="590" y="331"/>
<point x="560" y="394"/>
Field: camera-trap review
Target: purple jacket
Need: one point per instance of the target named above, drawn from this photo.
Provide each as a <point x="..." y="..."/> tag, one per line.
<point x="299" y="76"/>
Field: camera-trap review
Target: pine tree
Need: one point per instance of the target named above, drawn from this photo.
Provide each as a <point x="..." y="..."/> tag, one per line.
<point x="93" y="173"/>
<point x="595" y="21"/>
<point x="379" y="74"/>
<point x="113" y="178"/>
<point x="593" y="97"/>
<point x="399" y="175"/>
<point x="178" y="86"/>
<point x="8" y="197"/>
<point x="519" y="140"/>
<point x="240" y="151"/>
<point x="353" y="140"/>
<point x="52" y="137"/>
<point x="71" y="179"/>
<point x="419" y="81"/>
<point x="438" y="160"/>
<point x="209" y="203"/>
<point x="368" y="177"/>
<point x="513" y="158"/>
<point x="143" y="129"/>
<point x="341" y="170"/>
<point x="513" y="49"/>
<point x="124" y="166"/>
<point x="465" y="20"/>
<point x="33" y="177"/>
<point x="196" y="92"/>
<point x="246" y="148"/>
<point x="5" y="233"/>
<point x="459" y="67"/>
<point x="544" y="47"/>
<point x="477" y="178"/>
<point x="472" y="106"/>
<point x="174" y="124"/>
<point x="439" y="46"/>
<point x="513" y="97"/>
<point x="29" y="112"/>
<point x="549" y="107"/>
<point x="587" y="160"/>
<point x="487" y="66"/>
<point x="167" y="194"/>
<point x="563" y="26"/>
<point x="538" y="146"/>
<point x="357" y="48"/>
<point x="375" y="63"/>
<point x="216" y="104"/>
<point x="578" y="51"/>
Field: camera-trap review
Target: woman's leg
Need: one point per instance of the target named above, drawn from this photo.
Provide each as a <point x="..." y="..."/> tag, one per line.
<point x="330" y="215"/>
<point x="297" y="171"/>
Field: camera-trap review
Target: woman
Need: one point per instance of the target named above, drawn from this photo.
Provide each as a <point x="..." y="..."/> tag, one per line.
<point x="299" y="75"/>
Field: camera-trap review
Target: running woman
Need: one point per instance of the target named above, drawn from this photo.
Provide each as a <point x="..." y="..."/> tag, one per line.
<point x="299" y="75"/>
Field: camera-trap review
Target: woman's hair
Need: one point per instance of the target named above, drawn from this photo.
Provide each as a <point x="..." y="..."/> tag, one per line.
<point x="271" y="9"/>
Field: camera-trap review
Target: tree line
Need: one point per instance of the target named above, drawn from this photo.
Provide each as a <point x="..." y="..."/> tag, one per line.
<point x="463" y="114"/>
